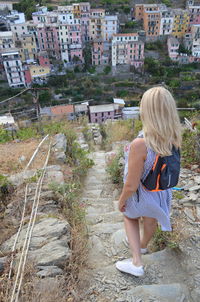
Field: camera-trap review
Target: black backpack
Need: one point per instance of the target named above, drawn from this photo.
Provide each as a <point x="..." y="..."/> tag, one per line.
<point x="164" y="173"/>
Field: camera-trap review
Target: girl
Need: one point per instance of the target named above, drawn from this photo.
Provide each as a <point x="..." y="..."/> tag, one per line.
<point x="162" y="131"/>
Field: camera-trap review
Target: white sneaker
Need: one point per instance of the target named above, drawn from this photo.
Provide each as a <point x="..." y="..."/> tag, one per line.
<point x="143" y="251"/>
<point x="129" y="268"/>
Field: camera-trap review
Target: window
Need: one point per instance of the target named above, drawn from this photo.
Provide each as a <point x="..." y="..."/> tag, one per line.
<point x="95" y="114"/>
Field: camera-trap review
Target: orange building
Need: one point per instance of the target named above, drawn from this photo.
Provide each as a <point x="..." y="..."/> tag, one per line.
<point x="150" y="14"/>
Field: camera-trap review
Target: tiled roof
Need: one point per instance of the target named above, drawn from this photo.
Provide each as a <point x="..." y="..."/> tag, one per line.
<point x="125" y="35"/>
<point x="102" y="108"/>
<point x="62" y="109"/>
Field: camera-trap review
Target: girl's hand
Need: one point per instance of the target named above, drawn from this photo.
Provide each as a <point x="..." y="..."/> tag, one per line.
<point x="121" y="206"/>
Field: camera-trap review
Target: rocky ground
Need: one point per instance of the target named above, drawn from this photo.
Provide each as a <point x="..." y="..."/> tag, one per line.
<point x="170" y="274"/>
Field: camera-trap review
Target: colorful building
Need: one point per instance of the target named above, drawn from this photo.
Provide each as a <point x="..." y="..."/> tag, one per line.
<point x="110" y="27"/>
<point x="127" y="49"/>
<point x="181" y="23"/>
<point x="173" y="47"/>
<point x="166" y="21"/>
<point x="13" y="67"/>
<point x="195" y="31"/>
<point x="48" y="39"/>
<point x="96" y="23"/>
<point x="101" y="53"/>
<point x="101" y="113"/>
<point x="152" y="20"/>
<point x="194" y="9"/>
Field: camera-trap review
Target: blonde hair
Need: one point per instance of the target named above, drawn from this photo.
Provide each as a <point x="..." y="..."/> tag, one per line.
<point x="161" y="124"/>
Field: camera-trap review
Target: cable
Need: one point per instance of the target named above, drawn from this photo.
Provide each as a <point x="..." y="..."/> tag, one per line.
<point x="24" y="208"/>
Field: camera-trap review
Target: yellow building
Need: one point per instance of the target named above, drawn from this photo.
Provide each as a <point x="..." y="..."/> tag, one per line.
<point x="38" y="71"/>
<point x="181" y="23"/>
<point x="76" y="10"/>
<point x="27" y="47"/>
<point x="97" y="23"/>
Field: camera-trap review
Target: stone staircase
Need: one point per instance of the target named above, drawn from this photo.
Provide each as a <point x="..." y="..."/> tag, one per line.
<point x="170" y="275"/>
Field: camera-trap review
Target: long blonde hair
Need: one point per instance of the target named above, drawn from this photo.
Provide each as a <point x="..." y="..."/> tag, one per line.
<point x="161" y="124"/>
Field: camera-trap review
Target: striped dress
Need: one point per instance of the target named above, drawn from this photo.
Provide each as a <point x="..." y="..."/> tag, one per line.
<point x="145" y="203"/>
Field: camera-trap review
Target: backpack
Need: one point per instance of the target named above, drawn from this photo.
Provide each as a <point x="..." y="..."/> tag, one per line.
<point x="165" y="172"/>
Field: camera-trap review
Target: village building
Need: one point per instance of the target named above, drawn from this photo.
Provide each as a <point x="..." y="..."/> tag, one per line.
<point x="102" y="113"/>
<point x="181" y="23"/>
<point x="127" y="49"/>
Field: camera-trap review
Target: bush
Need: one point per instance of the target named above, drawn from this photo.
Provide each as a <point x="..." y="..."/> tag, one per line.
<point x="114" y="169"/>
<point x="4" y="136"/>
<point x="190" y="149"/>
<point x="122" y="93"/>
<point x="107" y="69"/>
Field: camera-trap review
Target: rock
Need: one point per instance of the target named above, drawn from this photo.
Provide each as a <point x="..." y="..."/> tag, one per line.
<point x="117" y="240"/>
<point x="3" y="261"/>
<point x="45" y="231"/>
<point x="53" y="167"/>
<point x="49" y="271"/>
<point x="193" y="196"/>
<point x="60" y="157"/>
<point x="18" y="179"/>
<point x="194" y="167"/>
<point x="194" y="188"/>
<point x="53" y="253"/>
<point x="189" y="214"/>
<point x="55" y="176"/>
<point x="175" y="292"/>
<point x="197" y="179"/>
<point x="60" y="142"/>
<point x="22" y="158"/>
<point x="195" y="294"/>
<point x="116" y="193"/>
<point x="198" y="212"/>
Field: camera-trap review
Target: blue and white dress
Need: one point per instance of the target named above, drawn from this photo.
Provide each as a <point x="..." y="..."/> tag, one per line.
<point x="146" y="203"/>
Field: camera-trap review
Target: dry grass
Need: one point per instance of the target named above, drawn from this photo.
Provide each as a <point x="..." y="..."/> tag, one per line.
<point x="122" y="130"/>
<point x="11" y="152"/>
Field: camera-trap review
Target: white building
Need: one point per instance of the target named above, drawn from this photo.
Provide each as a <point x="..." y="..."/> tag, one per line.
<point x="173" y="47"/>
<point x="110" y="27"/>
<point x="127" y="49"/>
<point x="166" y="21"/>
<point x="195" y="29"/>
<point x="15" y="17"/>
<point x="6" y="40"/>
<point x="64" y="42"/>
<point x="13" y="67"/>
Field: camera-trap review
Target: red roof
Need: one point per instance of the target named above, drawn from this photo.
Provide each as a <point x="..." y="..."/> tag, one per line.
<point x="62" y="109"/>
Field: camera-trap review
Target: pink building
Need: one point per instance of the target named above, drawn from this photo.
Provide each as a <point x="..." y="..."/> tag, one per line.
<point x="27" y="76"/>
<point x="173" y="46"/>
<point x="127" y="49"/>
<point x="75" y="43"/>
<point x="97" y="52"/>
<point x="101" y="113"/>
<point x="85" y="18"/>
<point x="48" y="38"/>
<point x="43" y="59"/>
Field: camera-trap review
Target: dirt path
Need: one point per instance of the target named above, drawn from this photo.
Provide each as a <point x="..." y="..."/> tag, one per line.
<point x="169" y="275"/>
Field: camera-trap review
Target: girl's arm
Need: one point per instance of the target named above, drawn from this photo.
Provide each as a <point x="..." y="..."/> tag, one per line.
<point x="137" y="156"/>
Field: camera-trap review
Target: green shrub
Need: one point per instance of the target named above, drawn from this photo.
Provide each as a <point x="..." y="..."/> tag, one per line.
<point x="114" y="169"/>
<point x="190" y="150"/>
<point x="4" y="136"/>
<point x="163" y="239"/>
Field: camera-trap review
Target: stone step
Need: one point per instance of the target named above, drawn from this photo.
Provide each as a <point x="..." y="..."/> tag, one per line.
<point x="94" y="218"/>
<point x="96" y="201"/>
<point x="98" y="210"/>
<point x="175" y="292"/>
<point x="92" y="193"/>
<point x="105" y="228"/>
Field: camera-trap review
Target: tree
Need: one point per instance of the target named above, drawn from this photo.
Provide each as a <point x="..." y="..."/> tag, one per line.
<point x="45" y="98"/>
<point x="87" y="54"/>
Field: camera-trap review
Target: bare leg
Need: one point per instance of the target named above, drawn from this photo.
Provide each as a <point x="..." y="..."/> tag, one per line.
<point x="133" y="234"/>
<point x="150" y="225"/>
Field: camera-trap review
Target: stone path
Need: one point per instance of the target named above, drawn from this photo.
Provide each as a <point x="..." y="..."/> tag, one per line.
<point x="169" y="275"/>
